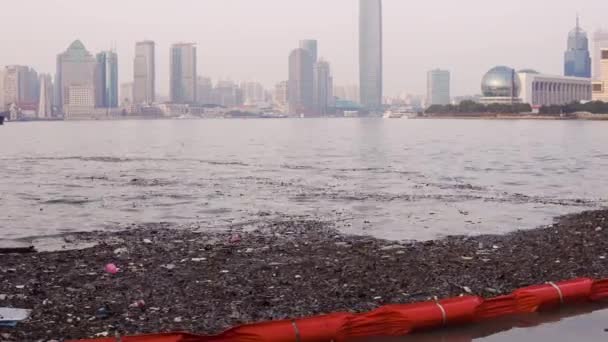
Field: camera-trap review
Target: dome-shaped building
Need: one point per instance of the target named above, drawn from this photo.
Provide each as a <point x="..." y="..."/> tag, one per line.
<point x="500" y="85"/>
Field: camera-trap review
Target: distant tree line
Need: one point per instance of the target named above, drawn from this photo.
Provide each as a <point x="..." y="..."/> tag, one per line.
<point x="594" y="107"/>
<point x="472" y="107"/>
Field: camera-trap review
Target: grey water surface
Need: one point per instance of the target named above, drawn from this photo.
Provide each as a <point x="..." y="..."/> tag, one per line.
<point x="395" y="179"/>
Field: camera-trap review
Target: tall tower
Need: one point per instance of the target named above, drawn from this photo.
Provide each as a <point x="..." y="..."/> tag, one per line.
<point x="577" y="59"/>
<point x="76" y="72"/>
<point x="144" y="73"/>
<point x="106" y="80"/>
<point x="300" y="84"/>
<point x="183" y="73"/>
<point x="370" y="54"/>
<point x="438" y="87"/>
<point x="46" y="97"/>
<point x="311" y="46"/>
<point x="323" y="87"/>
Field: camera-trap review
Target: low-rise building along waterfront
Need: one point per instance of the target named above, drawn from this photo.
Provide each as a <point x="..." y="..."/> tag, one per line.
<point x="546" y="90"/>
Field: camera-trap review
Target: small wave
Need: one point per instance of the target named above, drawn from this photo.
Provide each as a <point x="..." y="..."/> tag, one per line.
<point x="297" y="167"/>
<point x="69" y="201"/>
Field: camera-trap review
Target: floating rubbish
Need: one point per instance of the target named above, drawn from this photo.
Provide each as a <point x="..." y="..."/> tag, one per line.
<point x="168" y="266"/>
<point x="112" y="269"/>
<point x="9" y="317"/>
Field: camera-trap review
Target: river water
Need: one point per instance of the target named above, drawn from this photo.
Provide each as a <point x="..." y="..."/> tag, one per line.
<point x="396" y="179"/>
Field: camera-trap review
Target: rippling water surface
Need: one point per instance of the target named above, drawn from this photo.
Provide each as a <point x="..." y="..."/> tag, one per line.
<point x="397" y="179"/>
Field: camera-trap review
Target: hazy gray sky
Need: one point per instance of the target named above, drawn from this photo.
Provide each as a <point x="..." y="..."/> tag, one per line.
<point x="251" y="39"/>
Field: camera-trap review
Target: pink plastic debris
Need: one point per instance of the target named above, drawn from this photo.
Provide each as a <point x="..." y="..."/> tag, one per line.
<point x="112" y="269"/>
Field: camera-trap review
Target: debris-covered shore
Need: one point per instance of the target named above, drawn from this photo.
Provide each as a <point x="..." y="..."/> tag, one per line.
<point x="183" y="280"/>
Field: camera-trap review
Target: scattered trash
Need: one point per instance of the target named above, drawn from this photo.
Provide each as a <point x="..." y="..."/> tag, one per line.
<point x="103" y="313"/>
<point x="140" y="304"/>
<point x="112" y="269"/>
<point x="9" y="317"/>
<point x="121" y="251"/>
<point x="18" y="250"/>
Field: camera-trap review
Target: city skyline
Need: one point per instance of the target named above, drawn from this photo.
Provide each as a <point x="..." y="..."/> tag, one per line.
<point x="418" y="37"/>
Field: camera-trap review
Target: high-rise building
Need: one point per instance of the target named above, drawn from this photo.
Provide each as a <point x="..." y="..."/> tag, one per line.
<point x="183" y="73"/>
<point x="253" y="93"/>
<point x="600" y="87"/>
<point x="75" y="76"/>
<point x="281" y="94"/>
<point x="311" y="46"/>
<point x="600" y="41"/>
<point x="204" y="91"/>
<point x="577" y="59"/>
<point x="438" y="87"/>
<point x="21" y="87"/>
<point x="2" y="108"/>
<point x="300" y="86"/>
<point x="106" y="80"/>
<point x="126" y="94"/>
<point x="323" y="88"/>
<point x="370" y="54"/>
<point x="45" y="108"/>
<point x="227" y="94"/>
<point x="144" y="73"/>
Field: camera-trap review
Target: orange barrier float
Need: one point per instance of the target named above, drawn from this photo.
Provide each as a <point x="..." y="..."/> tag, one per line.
<point x="400" y="320"/>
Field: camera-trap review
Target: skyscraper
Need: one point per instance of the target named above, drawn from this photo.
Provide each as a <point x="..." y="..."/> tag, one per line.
<point x="21" y="87"/>
<point x="600" y="41"/>
<point x="323" y="87"/>
<point x="577" y="60"/>
<point x="370" y="53"/>
<point x="144" y="73"/>
<point x="106" y="80"/>
<point x="253" y="93"/>
<point x="300" y="85"/>
<point x="204" y="90"/>
<point x="183" y="73"/>
<point x="46" y="97"/>
<point x="311" y="46"/>
<point x="281" y="94"/>
<point x="75" y="73"/>
<point x="126" y="94"/>
<point x="438" y="87"/>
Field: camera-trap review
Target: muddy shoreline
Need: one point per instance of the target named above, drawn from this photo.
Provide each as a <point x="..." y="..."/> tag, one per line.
<point x="207" y="282"/>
